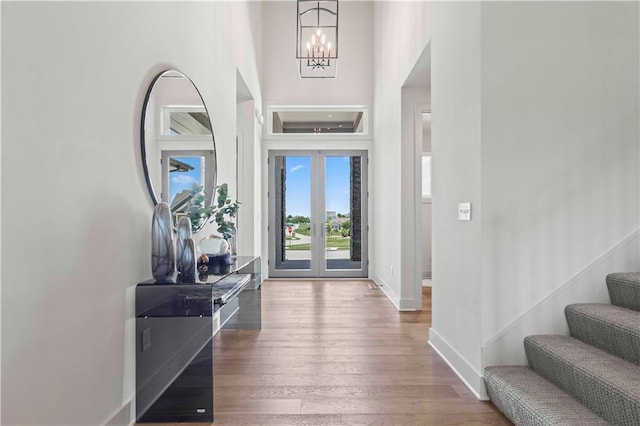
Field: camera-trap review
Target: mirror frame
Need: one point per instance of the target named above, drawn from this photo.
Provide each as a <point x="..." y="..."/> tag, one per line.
<point x="154" y="197"/>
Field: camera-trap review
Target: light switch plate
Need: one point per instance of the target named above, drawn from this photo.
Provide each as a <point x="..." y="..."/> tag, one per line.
<point x="464" y="211"/>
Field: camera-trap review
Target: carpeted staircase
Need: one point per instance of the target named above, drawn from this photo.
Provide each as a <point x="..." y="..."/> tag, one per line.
<point x="590" y="378"/>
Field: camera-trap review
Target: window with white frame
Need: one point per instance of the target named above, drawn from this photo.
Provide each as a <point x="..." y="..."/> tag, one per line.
<point x="347" y="121"/>
<point x="185" y="120"/>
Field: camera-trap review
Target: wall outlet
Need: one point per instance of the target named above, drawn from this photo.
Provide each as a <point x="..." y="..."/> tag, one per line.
<point x="391" y="270"/>
<point x="146" y="338"/>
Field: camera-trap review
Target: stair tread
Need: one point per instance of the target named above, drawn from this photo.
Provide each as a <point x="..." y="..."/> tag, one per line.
<point x="527" y="398"/>
<point x="585" y="357"/>
<point x="630" y="277"/>
<point x="622" y="317"/>
<point x="611" y="328"/>
<point x="615" y="316"/>
<point x="624" y="289"/>
<point x="609" y="385"/>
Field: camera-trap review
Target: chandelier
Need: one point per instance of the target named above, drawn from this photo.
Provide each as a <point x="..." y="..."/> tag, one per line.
<point x="317" y="38"/>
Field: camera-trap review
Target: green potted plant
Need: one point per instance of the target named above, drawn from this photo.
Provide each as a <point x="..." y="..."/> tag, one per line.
<point x="196" y="211"/>
<point x="225" y="211"/>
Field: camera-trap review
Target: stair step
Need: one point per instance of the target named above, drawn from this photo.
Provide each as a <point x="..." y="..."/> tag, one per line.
<point x="624" y="289"/>
<point x="611" y="328"/>
<point x="528" y="399"/>
<point x="606" y="384"/>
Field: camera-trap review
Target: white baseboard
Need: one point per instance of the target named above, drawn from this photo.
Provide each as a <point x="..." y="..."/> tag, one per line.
<point x="409" y="305"/>
<point x="124" y="415"/>
<point x="402" y="305"/>
<point x="469" y="376"/>
<point x="391" y="295"/>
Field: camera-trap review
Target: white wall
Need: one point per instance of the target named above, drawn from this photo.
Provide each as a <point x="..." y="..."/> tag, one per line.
<point x="426" y="239"/>
<point x="426" y="139"/>
<point x="249" y="191"/>
<point x="282" y="84"/>
<point x="1" y="186"/>
<point x="76" y="213"/>
<point x="402" y="30"/>
<point x="560" y="119"/>
<point x="455" y="139"/>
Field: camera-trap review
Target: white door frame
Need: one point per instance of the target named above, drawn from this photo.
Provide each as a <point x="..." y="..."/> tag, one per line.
<point x="318" y="254"/>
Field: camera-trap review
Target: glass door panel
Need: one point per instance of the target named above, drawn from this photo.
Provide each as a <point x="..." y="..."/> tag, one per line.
<point x="292" y="212"/>
<point x="343" y="211"/>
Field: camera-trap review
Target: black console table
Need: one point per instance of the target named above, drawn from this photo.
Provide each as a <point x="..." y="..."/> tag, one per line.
<point x="175" y="323"/>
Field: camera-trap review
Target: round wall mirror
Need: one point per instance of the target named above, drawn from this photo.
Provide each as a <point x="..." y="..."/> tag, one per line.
<point x="178" y="147"/>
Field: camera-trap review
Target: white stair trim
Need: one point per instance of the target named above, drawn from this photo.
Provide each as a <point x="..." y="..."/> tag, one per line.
<point x="635" y="235"/>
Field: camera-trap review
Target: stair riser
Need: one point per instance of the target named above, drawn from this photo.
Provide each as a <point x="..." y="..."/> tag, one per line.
<point x="510" y="409"/>
<point x="527" y="399"/>
<point x="615" y="340"/>
<point x="613" y="405"/>
<point x="624" y="290"/>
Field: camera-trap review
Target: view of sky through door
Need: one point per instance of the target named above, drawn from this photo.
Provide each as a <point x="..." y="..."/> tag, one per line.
<point x="183" y="178"/>
<point x="337" y="185"/>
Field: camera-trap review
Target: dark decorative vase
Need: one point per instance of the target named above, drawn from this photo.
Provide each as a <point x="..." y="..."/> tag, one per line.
<point x="231" y="240"/>
<point x="163" y="257"/>
<point x="184" y="257"/>
<point x="188" y="262"/>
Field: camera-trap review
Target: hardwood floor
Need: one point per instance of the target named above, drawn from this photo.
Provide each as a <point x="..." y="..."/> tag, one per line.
<point x="338" y="353"/>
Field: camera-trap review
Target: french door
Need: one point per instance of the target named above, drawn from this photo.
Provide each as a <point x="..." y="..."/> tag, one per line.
<point x="318" y="214"/>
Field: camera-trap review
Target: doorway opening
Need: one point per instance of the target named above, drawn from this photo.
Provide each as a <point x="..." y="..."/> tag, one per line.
<point x="416" y="244"/>
<point x="318" y="214"/>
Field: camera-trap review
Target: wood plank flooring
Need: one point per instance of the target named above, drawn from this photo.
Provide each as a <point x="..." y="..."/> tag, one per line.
<point x="338" y="353"/>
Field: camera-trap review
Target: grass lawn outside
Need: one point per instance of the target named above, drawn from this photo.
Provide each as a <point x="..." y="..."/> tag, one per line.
<point x="303" y="229"/>
<point x="331" y="242"/>
<point x="305" y="246"/>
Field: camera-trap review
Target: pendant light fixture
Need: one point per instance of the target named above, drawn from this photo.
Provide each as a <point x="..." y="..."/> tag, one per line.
<point x="317" y="38"/>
